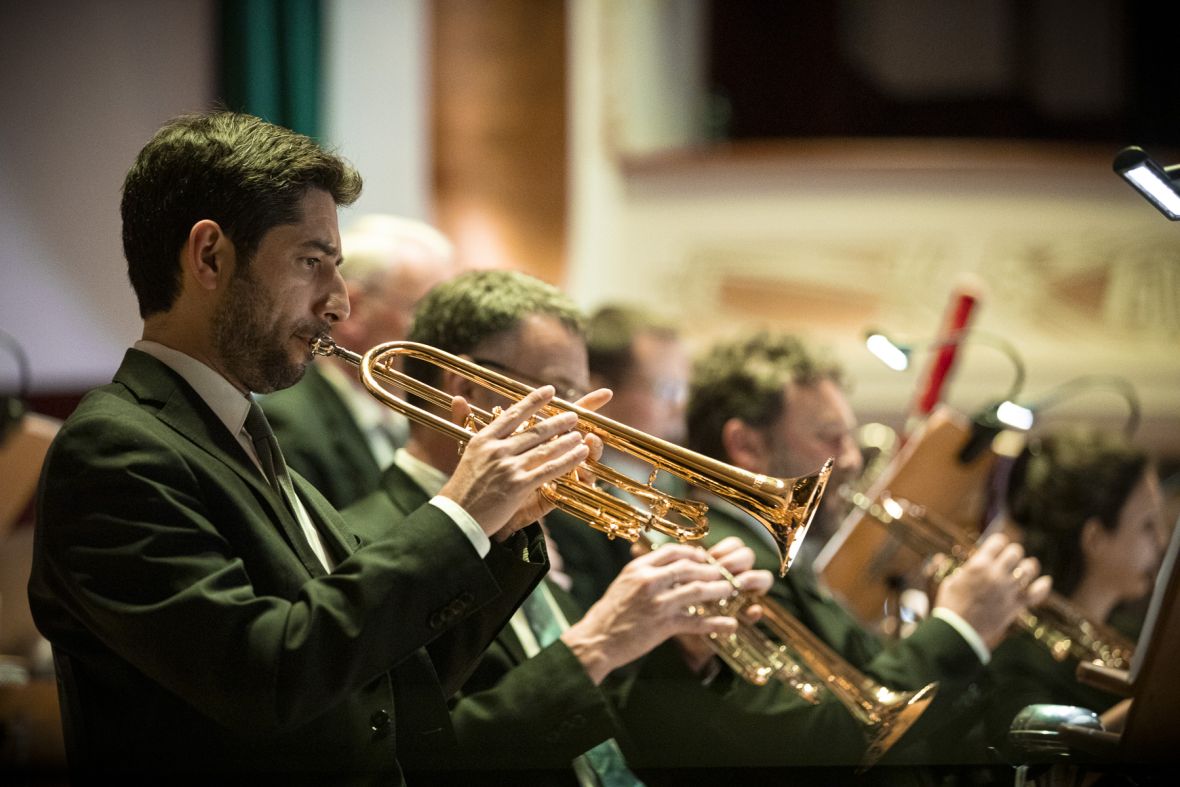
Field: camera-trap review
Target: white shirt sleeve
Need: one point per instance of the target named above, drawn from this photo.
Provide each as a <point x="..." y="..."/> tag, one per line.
<point x="966" y="631"/>
<point x="466" y="523"/>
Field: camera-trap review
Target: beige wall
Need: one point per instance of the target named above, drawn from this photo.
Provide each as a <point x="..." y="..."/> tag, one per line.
<point x="829" y="238"/>
<point x="85" y="85"/>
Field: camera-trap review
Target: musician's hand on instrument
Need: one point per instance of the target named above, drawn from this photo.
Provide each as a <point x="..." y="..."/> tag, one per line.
<point x="595" y="400"/>
<point x="993" y="586"/>
<point x="935" y="570"/>
<point x="503" y="465"/>
<point x="592" y="401"/>
<point x="738" y="559"/>
<point x="656" y="596"/>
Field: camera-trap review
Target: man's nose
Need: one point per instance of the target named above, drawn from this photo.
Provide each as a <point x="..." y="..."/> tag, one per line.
<point x="850" y="460"/>
<point x="336" y="307"/>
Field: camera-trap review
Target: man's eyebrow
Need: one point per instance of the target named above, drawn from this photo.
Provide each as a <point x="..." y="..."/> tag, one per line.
<point x="324" y="246"/>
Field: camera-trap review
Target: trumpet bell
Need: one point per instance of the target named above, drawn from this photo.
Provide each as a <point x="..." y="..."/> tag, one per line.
<point x="779" y="646"/>
<point x="897" y="713"/>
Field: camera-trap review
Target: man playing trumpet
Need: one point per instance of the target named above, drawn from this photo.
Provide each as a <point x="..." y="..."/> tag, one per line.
<point x="765" y="403"/>
<point x="548" y="678"/>
<point x="210" y="613"/>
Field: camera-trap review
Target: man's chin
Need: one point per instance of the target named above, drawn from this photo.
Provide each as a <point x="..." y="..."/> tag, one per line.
<point x="278" y="380"/>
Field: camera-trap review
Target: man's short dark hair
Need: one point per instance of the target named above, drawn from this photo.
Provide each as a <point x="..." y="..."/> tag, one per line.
<point x="1062" y="480"/>
<point x="462" y="313"/>
<point x="745" y="378"/>
<point x="237" y="170"/>
<point x="610" y="339"/>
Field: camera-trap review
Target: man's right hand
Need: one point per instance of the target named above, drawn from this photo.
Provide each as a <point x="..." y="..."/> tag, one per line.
<point x="502" y="467"/>
<point x="648" y="602"/>
<point x="992" y="587"/>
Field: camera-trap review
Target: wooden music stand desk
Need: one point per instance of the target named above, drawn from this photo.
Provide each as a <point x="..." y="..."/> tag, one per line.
<point x="863" y="563"/>
<point x="21" y="456"/>
<point x="1152" y="732"/>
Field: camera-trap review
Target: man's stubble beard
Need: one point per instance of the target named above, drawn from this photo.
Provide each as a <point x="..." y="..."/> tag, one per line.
<point x="253" y="350"/>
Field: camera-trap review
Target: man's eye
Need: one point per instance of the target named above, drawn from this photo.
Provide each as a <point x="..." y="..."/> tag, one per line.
<point x="311" y="262"/>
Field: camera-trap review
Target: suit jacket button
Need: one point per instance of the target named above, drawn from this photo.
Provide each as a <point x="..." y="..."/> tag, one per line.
<point x="379" y="720"/>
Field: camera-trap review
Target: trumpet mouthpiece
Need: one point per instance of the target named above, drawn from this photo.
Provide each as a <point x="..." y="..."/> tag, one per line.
<point x="322" y="345"/>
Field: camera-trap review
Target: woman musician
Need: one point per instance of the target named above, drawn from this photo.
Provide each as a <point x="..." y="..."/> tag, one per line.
<point x="1090" y="508"/>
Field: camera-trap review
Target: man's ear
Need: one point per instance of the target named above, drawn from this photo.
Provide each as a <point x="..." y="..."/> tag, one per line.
<point x="208" y="255"/>
<point x="1092" y="538"/>
<point x="745" y="446"/>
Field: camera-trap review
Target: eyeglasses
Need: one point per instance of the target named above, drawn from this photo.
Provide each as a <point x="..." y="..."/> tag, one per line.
<point x="565" y="391"/>
<point x="671" y="391"/>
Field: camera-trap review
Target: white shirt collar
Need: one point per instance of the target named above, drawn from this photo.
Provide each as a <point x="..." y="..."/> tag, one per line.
<point x="430" y="478"/>
<point x="227" y="402"/>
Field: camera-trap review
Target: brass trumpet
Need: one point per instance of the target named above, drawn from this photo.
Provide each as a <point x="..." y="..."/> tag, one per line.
<point x="784" y="506"/>
<point x="1054" y="623"/>
<point x="779" y="647"/>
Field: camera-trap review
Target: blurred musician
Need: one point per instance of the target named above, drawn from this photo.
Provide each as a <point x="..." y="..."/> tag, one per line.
<point x="645" y="363"/>
<point x="542" y="702"/>
<point x="768" y="404"/>
<point x="1090" y="509"/>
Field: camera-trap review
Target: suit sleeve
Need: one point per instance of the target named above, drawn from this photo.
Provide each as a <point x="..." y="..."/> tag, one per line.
<point x="675" y="721"/>
<point x="516" y="565"/>
<point x="547" y="700"/>
<point x="172" y="565"/>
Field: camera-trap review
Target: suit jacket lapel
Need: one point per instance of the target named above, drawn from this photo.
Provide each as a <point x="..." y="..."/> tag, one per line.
<point x="340" y="541"/>
<point x="403" y="490"/>
<point x="512" y="644"/>
<point x="349" y="444"/>
<point x="179" y="406"/>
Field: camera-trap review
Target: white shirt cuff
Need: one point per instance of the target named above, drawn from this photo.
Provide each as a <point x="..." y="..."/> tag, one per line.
<point x="966" y="631"/>
<point x="466" y="523"/>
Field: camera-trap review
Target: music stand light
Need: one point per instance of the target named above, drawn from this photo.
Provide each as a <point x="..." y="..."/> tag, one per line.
<point x="1020" y="417"/>
<point x="1092" y="382"/>
<point x="1157" y="183"/>
<point x="896" y="355"/>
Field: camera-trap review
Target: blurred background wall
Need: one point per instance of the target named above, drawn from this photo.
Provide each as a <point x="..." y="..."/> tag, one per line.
<point x="820" y="166"/>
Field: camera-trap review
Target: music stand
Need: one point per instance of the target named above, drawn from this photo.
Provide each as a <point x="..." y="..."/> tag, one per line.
<point x="863" y="563"/>
<point x="1152" y="733"/>
<point x="21" y="456"/>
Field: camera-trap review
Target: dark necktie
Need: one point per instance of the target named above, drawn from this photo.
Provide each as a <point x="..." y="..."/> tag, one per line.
<point x="271" y="458"/>
<point x="604" y="764"/>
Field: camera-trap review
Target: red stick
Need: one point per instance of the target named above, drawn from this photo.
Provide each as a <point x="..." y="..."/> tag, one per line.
<point x="954" y="330"/>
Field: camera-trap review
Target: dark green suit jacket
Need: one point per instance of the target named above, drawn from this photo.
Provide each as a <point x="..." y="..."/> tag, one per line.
<point x="933" y="652"/>
<point x="516" y="713"/>
<point x="1022" y="673"/>
<point x="321" y="440"/>
<point x="194" y="631"/>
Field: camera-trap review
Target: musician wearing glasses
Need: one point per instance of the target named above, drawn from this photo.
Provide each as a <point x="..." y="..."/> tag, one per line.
<point x="331" y="429"/>
<point x="211" y="614"/>
<point x="767" y="403"/>
<point x="1088" y="505"/>
<point x="543" y="702"/>
<point x="645" y="363"/>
